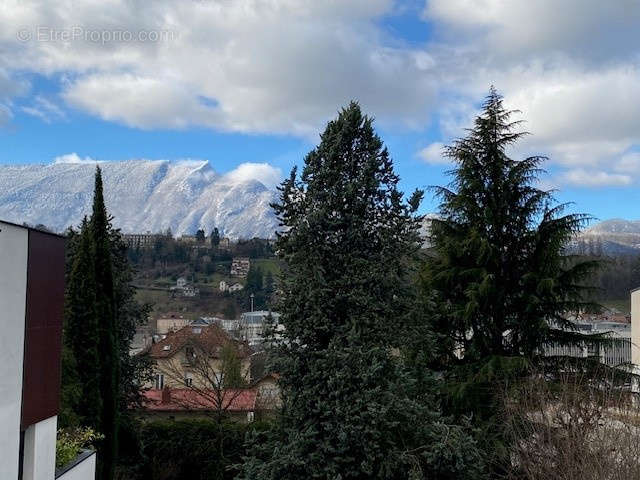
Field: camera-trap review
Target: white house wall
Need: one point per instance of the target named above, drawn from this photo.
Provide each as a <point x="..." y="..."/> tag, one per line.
<point x="13" y="284"/>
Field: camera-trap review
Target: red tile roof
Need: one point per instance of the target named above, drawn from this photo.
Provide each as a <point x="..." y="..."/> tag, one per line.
<point x="184" y="399"/>
<point x="210" y="339"/>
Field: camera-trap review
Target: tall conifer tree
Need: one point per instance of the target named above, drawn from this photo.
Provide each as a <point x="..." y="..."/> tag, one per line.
<point x="502" y="280"/>
<point x="81" y="362"/>
<point x="105" y="306"/>
<point x="349" y="410"/>
<point x="498" y="278"/>
<point x="100" y="321"/>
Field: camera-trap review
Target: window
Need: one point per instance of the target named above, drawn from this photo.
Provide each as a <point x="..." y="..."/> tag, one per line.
<point x="188" y="379"/>
<point x="197" y="330"/>
<point x="166" y="348"/>
<point x="159" y="381"/>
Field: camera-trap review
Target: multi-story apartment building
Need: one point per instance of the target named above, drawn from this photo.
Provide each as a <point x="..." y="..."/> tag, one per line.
<point x="615" y="352"/>
<point x="140" y="240"/>
<point x="240" y="266"/>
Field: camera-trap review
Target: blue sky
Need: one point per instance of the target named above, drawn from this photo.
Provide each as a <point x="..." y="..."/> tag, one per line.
<point x="254" y="81"/>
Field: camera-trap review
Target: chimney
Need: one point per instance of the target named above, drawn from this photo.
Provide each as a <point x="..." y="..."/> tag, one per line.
<point x="166" y="395"/>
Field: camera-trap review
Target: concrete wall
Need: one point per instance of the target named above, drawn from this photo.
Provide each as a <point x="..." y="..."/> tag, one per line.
<point x="84" y="470"/>
<point x="40" y="450"/>
<point x="13" y="284"/>
<point x="635" y="327"/>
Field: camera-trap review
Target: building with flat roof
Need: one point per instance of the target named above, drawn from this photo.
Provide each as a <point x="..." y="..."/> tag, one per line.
<point x="251" y="325"/>
<point x="615" y="352"/>
<point x="32" y="300"/>
<point x="140" y="240"/>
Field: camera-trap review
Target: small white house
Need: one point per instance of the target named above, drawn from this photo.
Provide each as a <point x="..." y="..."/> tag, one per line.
<point x="223" y="286"/>
<point x="190" y="291"/>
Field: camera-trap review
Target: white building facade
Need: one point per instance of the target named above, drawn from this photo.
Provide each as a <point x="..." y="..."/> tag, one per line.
<point x="615" y="352"/>
<point x="31" y="302"/>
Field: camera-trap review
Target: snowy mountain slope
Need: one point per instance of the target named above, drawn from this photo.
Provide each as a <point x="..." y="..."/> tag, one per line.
<point x="611" y="237"/>
<point x="142" y="195"/>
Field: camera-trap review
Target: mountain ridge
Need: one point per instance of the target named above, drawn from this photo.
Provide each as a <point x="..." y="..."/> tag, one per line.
<point x="141" y="195"/>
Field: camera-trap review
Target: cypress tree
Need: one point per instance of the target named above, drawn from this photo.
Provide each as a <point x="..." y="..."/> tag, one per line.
<point x="349" y="409"/>
<point x="82" y="399"/>
<point x="215" y="237"/>
<point x="105" y="306"/>
<point x="100" y="380"/>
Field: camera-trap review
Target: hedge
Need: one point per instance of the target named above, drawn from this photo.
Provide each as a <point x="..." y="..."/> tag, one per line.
<point x="184" y="449"/>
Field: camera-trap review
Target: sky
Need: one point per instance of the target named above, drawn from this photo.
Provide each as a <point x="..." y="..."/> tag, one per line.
<point x="249" y="84"/>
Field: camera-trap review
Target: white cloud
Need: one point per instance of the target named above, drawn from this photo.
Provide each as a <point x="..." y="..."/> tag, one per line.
<point x="433" y="154"/>
<point x="140" y="101"/>
<point x="268" y="175"/>
<point x="587" y="29"/>
<point x="278" y="66"/>
<point x="629" y="163"/>
<point x="593" y="178"/>
<point x="286" y="66"/>
<point x="73" y="158"/>
<point x="575" y="77"/>
<point x="44" y="109"/>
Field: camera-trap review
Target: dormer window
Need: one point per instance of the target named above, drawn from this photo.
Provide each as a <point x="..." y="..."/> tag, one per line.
<point x="197" y="330"/>
<point x="166" y="348"/>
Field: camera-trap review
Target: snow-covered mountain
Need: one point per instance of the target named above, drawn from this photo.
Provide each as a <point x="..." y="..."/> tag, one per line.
<point x="611" y="237"/>
<point x="142" y="195"/>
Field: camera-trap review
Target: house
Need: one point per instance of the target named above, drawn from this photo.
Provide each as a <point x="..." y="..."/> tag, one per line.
<point x="187" y="239"/>
<point x="240" y="266"/>
<point x="194" y="356"/>
<point x="225" y="287"/>
<point x="252" y="324"/>
<point x="190" y="291"/>
<point x="32" y="302"/>
<point x="268" y="396"/>
<point x="229" y="325"/>
<point x="176" y="403"/>
<point x="141" y="340"/>
<point x="170" y="323"/>
<point x="183" y="287"/>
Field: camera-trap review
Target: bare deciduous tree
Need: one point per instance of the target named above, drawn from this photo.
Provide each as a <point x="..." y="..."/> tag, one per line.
<point x="575" y="426"/>
<point x="213" y="381"/>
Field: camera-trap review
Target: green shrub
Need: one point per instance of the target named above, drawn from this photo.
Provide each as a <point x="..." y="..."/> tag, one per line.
<point x="70" y="442"/>
<point x="189" y="449"/>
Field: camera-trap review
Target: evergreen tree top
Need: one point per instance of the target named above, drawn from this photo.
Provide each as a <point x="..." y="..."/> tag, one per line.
<point x="499" y="243"/>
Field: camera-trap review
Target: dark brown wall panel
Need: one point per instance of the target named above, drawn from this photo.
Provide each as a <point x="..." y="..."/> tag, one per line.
<point x="43" y="327"/>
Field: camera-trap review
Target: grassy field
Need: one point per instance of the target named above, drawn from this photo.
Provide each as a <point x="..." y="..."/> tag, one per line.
<point x="267" y="265"/>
